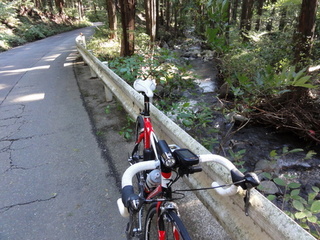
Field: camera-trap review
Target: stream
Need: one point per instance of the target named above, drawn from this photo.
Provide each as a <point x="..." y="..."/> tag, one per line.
<point x="255" y="148"/>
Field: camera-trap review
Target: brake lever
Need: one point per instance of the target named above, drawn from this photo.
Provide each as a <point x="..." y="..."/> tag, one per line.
<point x="251" y="181"/>
<point x="247" y="202"/>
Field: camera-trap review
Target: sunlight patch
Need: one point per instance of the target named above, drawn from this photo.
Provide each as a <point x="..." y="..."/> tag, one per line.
<point x="314" y="68"/>
<point x="26" y="69"/>
<point x="67" y="64"/>
<point x="3" y="86"/>
<point x="51" y="58"/>
<point x="30" y="98"/>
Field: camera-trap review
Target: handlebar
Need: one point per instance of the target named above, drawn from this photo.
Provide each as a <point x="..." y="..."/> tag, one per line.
<point x="231" y="190"/>
<point x="135" y="168"/>
<point x="246" y="182"/>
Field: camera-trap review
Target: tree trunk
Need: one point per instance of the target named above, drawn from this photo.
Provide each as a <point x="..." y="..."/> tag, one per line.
<point x="148" y="16"/>
<point x="202" y="16"/>
<point x="151" y="18"/>
<point x="246" y="16"/>
<point x="304" y="36"/>
<point x="112" y="18"/>
<point x="59" y="6"/>
<point x="50" y="5"/>
<point x="128" y="9"/>
<point x="228" y="18"/>
<point x="168" y="15"/>
<point x="175" y="18"/>
<point x="282" y="22"/>
<point x="272" y="14"/>
<point x="38" y="4"/>
<point x="235" y="10"/>
<point x="259" y="13"/>
<point x="80" y="9"/>
<point x="161" y="12"/>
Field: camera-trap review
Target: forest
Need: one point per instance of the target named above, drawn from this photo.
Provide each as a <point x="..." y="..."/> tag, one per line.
<point x="267" y="51"/>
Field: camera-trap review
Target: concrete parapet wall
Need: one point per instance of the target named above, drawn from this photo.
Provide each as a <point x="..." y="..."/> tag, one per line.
<point x="265" y="220"/>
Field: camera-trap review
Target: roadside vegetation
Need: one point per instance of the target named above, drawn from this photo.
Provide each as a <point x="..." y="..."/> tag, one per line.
<point x="22" y="22"/>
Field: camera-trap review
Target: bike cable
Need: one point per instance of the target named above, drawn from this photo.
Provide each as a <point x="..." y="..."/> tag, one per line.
<point x="208" y="188"/>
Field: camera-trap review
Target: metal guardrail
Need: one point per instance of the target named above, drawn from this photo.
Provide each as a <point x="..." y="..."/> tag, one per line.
<point x="265" y="220"/>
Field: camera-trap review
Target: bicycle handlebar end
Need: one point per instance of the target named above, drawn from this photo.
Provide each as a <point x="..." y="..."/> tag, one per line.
<point x="127" y="192"/>
<point x="122" y="209"/>
<point x="232" y="190"/>
<point x="131" y="200"/>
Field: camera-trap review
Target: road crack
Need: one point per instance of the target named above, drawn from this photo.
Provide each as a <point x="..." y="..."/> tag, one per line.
<point x="6" y="208"/>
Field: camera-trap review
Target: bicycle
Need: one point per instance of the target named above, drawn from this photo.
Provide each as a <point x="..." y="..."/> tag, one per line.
<point x="156" y="166"/>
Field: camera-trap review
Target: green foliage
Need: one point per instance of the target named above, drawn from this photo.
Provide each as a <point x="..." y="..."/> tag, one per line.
<point x="237" y="159"/>
<point x="102" y="47"/>
<point x="209" y="142"/>
<point x="107" y="110"/>
<point x="16" y="30"/>
<point x="161" y="66"/>
<point x="7" y="40"/>
<point x="128" y="68"/>
<point x="261" y="68"/>
<point x="268" y="83"/>
<point x="274" y="156"/>
<point x="32" y="33"/>
<point x="7" y="11"/>
<point x="305" y="210"/>
<point x="216" y="41"/>
<point x="127" y="131"/>
<point x="195" y="119"/>
<point x="96" y="16"/>
<point x="217" y="16"/>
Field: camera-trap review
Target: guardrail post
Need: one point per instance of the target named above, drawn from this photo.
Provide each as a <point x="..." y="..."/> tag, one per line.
<point x="107" y="91"/>
<point x="93" y="73"/>
<point x="108" y="94"/>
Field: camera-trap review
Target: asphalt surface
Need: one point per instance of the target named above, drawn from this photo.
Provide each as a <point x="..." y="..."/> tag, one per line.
<point x="54" y="182"/>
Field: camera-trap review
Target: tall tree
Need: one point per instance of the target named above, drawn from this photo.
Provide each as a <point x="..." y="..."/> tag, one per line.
<point x="272" y="14"/>
<point x="128" y="10"/>
<point x="80" y="9"/>
<point x="112" y="18"/>
<point x="283" y="16"/>
<point x="304" y="36"/>
<point x="229" y="19"/>
<point x="151" y="18"/>
<point x="59" y="5"/>
<point x="259" y="12"/>
<point x="168" y="16"/>
<point x="246" y="16"/>
<point x="235" y="4"/>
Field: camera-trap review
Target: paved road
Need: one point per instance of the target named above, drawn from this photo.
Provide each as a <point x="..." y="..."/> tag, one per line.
<point x="54" y="183"/>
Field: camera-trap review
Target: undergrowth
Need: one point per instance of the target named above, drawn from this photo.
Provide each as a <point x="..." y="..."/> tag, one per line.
<point x="16" y="29"/>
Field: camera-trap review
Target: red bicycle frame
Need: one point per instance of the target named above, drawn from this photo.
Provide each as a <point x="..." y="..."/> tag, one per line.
<point x="146" y="136"/>
<point x="148" y="129"/>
